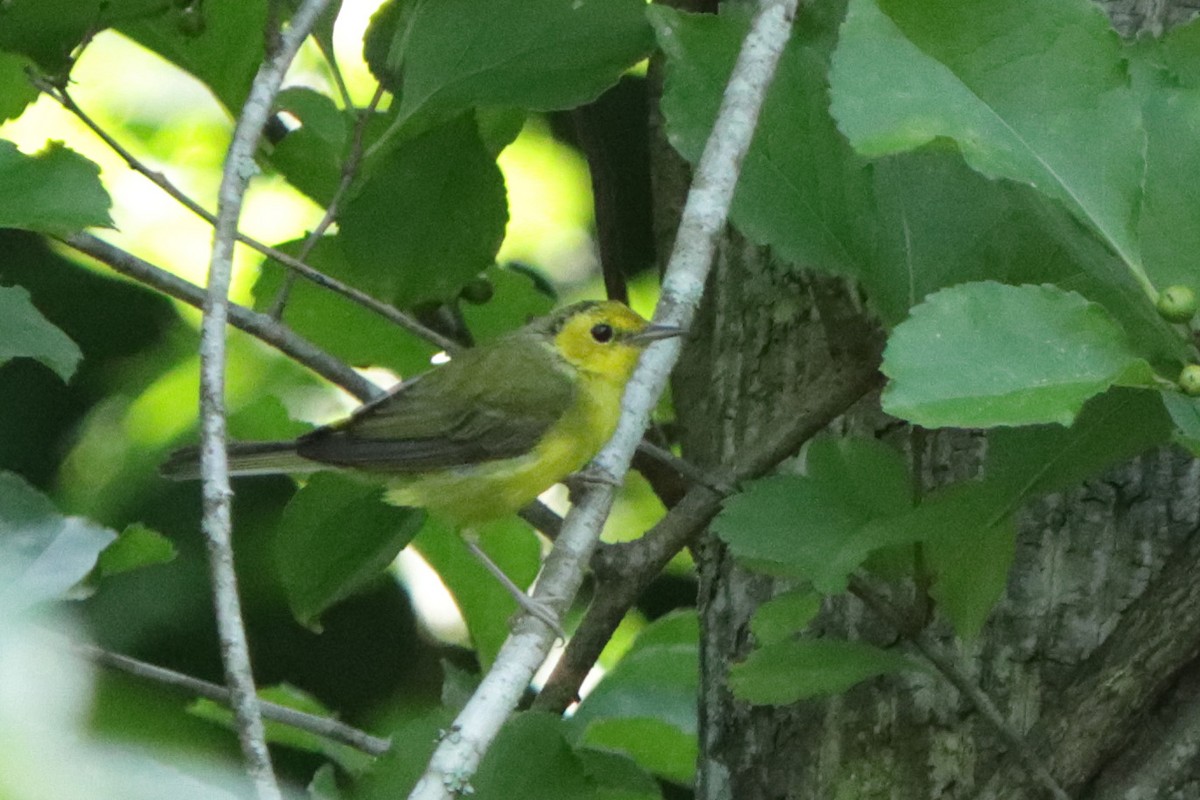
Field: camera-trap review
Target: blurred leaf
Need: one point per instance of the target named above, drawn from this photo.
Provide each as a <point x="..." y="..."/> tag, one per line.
<point x="1111" y="428"/>
<point x="486" y="606"/>
<point x="984" y="354"/>
<point x="16" y="91"/>
<point x="656" y="746"/>
<point x="137" y="546"/>
<point x="797" y="669"/>
<point x="347" y="330"/>
<point x="222" y="49"/>
<point x="785" y="196"/>
<point x="56" y="191"/>
<point x="1185" y="414"/>
<point x="323" y="785"/>
<point x="426" y="218"/>
<point x="783" y="616"/>
<point x="310" y="157"/>
<point x="336" y="536"/>
<point x="25" y="333"/>
<point x="42" y="553"/>
<point x="542" y="55"/>
<point x="906" y="72"/>
<point x="617" y="777"/>
<point x="814" y="526"/>
<point x="48" y="31"/>
<point x="531" y="739"/>
<point x="413" y="739"/>
<point x="345" y="756"/>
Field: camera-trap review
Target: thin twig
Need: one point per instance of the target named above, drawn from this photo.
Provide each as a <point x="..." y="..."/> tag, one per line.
<point x="457" y="757"/>
<point x="349" y="170"/>
<point x="214" y="459"/>
<point x="948" y="666"/>
<point x="258" y="325"/>
<point x="325" y="727"/>
<point x="297" y="265"/>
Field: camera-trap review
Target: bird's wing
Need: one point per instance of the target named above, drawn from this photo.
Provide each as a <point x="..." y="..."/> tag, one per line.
<point x="486" y="404"/>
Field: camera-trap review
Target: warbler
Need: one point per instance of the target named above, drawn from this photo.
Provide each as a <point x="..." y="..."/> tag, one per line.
<point x="483" y="435"/>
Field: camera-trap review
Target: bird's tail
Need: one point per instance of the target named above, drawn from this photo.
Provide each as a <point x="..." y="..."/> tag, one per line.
<point x="245" y="458"/>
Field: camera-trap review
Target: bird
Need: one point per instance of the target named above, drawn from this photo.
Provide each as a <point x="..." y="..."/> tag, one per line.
<point x="484" y="434"/>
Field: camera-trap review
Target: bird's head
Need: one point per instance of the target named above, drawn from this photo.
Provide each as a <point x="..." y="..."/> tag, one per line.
<point x="603" y="338"/>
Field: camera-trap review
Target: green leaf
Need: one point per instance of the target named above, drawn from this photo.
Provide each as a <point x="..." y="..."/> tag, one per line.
<point x="16" y="91"/>
<point x="49" y="30"/>
<point x="42" y="553"/>
<point x="323" y="785"/>
<point x="1111" y="428"/>
<point x="346" y="329"/>
<point x="137" y="546"/>
<point x="486" y="606"/>
<point x="428" y="217"/>
<point x="336" y="536"/>
<point x="1029" y="91"/>
<point x="532" y="739"/>
<point x="984" y="354"/>
<point x="782" y="617"/>
<point x="798" y="669"/>
<point x="784" y="197"/>
<point x="448" y="56"/>
<point x="343" y="755"/>
<point x="970" y="539"/>
<point x="56" y="191"/>
<point x="815" y="526"/>
<point x="617" y="777"/>
<point x="1185" y="414"/>
<point x="222" y="48"/>
<point x="25" y="333"/>
<point x="656" y="746"/>
<point x="310" y="157"/>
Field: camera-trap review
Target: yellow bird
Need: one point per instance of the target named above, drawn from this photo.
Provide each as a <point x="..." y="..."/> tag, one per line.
<point x="483" y="435"/>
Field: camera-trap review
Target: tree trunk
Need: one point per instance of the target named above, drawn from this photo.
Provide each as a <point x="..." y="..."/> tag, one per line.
<point x="1090" y="656"/>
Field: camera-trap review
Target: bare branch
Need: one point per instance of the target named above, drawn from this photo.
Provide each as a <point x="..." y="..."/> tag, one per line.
<point x="214" y="459"/>
<point x="456" y="758"/>
<point x="258" y="325"/>
<point x="325" y="727"/>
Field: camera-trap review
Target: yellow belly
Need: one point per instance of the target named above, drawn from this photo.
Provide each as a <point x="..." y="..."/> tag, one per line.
<point x="471" y="494"/>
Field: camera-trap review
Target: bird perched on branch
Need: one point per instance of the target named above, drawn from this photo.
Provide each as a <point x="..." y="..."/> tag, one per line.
<point x="483" y="435"/>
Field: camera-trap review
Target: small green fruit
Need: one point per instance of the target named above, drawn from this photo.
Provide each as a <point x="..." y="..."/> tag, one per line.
<point x="1177" y="304"/>
<point x="478" y="291"/>
<point x="1189" y="380"/>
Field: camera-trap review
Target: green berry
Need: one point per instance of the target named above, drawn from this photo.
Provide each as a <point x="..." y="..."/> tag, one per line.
<point x="1189" y="380"/>
<point x="1177" y="304"/>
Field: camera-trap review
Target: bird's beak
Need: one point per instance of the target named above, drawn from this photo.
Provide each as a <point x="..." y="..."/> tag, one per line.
<point x="652" y="333"/>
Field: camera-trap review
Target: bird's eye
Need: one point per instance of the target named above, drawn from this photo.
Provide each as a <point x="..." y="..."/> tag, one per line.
<point x="602" y="333"/>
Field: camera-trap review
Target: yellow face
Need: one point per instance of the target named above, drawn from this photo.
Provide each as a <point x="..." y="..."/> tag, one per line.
<point x="598" y="340"/>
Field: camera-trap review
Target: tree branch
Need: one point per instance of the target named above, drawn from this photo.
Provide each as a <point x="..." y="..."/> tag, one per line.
<point x="214" y="459"/>
<point x="258" y="325"/>
<point x="296" y="265"/>
<point x="625" y="570"/>
<point x="325" y="727"/>
<point x="457" y="757"/>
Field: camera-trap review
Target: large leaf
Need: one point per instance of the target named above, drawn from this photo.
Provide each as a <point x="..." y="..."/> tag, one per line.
<point x="801" y="189"/>
<point x="798" y="669"/>
<point x="336" y="536"/>
<point x="48" y="31"/>
<point x="221" y="44"/>
<point x="984" y="354"/>
<point x="429" y="217"/>
<point x="25" y="333"/>
<point x="486" y="605"/>
<point x="1111" y="428"/>
<point x="815" y="526"/>
<point x="42" y="553"/>
<point x="56" y="191"/>
<point x="531" y="739"/>
<point x="16" y="91"/>
<point x="448" y="56"/>
<point x="1030" y="91"/>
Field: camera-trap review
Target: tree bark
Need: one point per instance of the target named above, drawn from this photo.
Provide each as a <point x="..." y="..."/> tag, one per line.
<point x="1090" y="656"/>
